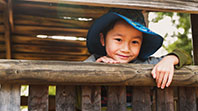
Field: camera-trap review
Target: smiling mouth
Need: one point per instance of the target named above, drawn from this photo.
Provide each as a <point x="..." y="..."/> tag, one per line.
<point x="123" y="56"/>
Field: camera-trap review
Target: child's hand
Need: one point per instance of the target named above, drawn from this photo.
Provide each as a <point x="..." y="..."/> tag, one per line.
<point x="106" y="59"/>
<point x="163" y="71"/>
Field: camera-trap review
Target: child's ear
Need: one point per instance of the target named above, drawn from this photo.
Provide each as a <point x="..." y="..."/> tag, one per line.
<point x="102" y="39"/>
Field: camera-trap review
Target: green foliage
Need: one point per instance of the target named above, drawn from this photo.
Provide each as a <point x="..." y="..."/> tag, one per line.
<point x="52" y="90"/>
<point x="183" y="42"/>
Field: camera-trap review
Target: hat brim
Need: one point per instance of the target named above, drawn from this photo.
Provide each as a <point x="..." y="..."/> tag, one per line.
<point x="150" y="44"/>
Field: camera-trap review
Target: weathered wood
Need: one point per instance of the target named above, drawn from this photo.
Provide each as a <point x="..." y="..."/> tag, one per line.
<point x="2" y="28"/>
<point x="38" y="98"/>
<point x="33" y="56"/>
<point x="55" y="22"/>
<point x="65" y="98"/>
<point x="141" y="99"/>
<point x="10" y="14"/>
<point x="60" y="72"/>
<point x="154" y="5"/>
<point x="38" y="30"/>
<point x="58" y="10"/>
<point x="91" y="98"/>
<point x="2" y="47"/>
<point x="7" y="33"/>
<point x="187" y="99"/>
<point x="45" y="41"/>
<point x="1" y="17"/>
<point x="194" y="25"/>
<point x="165" y="99"/>
<point x="2" y="39"/>
<point x="50" y="50"/>
<point x="116" y="98"/>
<point x="10" y="97"/>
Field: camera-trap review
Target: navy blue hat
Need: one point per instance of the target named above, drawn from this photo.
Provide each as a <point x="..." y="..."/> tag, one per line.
<point x="151" y="41"/>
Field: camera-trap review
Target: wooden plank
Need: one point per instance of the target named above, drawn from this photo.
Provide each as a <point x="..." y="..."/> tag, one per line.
<point x="46" y="41"/>
<point x="165" y="99"/>
<point x="10" y="97"/>
<point x="55" y="22"/>
<point x="194" y="25"/>
<point x="38" y="98"/>
<point x="2" y="48"/>
<point x="91" y="98"/>
<point x="80" y="73"/>
<point x="7" y="33"/>
<point x="1" y="17"/>
<point x="10" y="14"/>
<point x="2" y="39"/>
<point x="56" y="50"/>
<point x="2" y="29"/>
<point x="154" y="5"/>
<point x="141" y="99"/>
<point x="58" y="10"/>
<point x="2" y="55"/>
<point x="187" y="99"/>
<point x="65" y="98"/>
<point x="34" y="56"/>
<point x="116" y="98"/>
<point x="38" y="30"/>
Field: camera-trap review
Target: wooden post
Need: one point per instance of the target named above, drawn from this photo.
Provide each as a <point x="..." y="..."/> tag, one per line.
<point x="38" y="98"/>
<point x="10" y="97"/>
<point x="187" y="99"/>
<point x="194" y="25"/>
<point x="65" y="98"/>
<point x="7" y="32"/>
<point x="141" y="99"/>
<point x="91" y="98"/>
<point x="116" y="98"/>
<point x="165" y="99"/>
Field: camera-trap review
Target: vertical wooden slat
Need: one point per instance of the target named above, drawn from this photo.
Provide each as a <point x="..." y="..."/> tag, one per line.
<point x="38" y="98"/>
<point x="7" y="32"/>
<point x="116" y="98"/>
<point x="65" y="98"/>
<point x="10" y="97"/>
<point x="187" y="99"/>
<point x="165" y="99"/>
<point x="194" y="25"/>
<point x="91" y="98"/>
<point x="141" y="99"/>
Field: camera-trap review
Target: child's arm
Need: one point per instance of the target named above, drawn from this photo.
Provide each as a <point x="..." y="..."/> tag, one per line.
<point x="164" y="70"/>
<point x="106" y="59"/>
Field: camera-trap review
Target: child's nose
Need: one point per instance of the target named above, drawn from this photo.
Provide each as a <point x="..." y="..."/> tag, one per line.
<point x="125" y="48"/>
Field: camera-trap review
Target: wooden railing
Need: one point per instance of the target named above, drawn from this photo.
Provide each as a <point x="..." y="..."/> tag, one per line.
<point x="89" y="77"/>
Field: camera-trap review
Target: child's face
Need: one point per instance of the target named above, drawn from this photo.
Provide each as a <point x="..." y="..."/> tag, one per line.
<point x="123" y="42"/>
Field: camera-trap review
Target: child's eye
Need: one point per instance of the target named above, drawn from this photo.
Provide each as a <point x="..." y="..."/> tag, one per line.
<point x="118" y="39"/>
<point x="135" y="42"/>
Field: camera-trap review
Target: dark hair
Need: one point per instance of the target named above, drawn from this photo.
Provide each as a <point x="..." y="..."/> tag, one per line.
<point x="109" y="27"/>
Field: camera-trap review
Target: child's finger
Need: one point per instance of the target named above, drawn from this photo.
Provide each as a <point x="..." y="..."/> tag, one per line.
<point x="165" y="79"/>
<point x="153" y="72"/>
<point x="161" y="76"/>
<point x="170" y="78"/>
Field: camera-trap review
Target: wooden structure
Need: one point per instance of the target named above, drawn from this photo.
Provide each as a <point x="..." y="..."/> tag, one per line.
<point x="26" y="31"/>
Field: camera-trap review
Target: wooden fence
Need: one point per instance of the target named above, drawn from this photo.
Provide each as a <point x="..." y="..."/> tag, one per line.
<point x="90" y="77"/>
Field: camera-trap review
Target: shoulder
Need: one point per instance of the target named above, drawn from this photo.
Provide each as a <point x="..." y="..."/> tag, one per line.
<point x="150" y="60"/>
<point x="90" y="59"/>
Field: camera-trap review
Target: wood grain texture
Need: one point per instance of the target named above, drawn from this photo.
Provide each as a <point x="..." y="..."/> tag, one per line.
<point x="45" y="41"/>
<point x="58" y="10"/>
<point x="91" y="98"/>
<point x="55" y="22"/>
<point x="52" y="57"/>
<point x="187" y="99"/>
<point x="38" y="30"/>
<point x="154" y="5"/>
<point x="194" y="26"/>
<point x="65" y="98"/>
<point x="38" y="98"/>
<point x="60" y="72"/>
<point x="10" y="97"/>
<point x="116" y="98"/>
<point x="141" y="99"/>
<point x="165" y="99"/>
<point x="2" y="29"/>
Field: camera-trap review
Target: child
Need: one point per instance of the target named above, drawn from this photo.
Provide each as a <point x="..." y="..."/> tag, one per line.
<point x="120" y="36"/>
